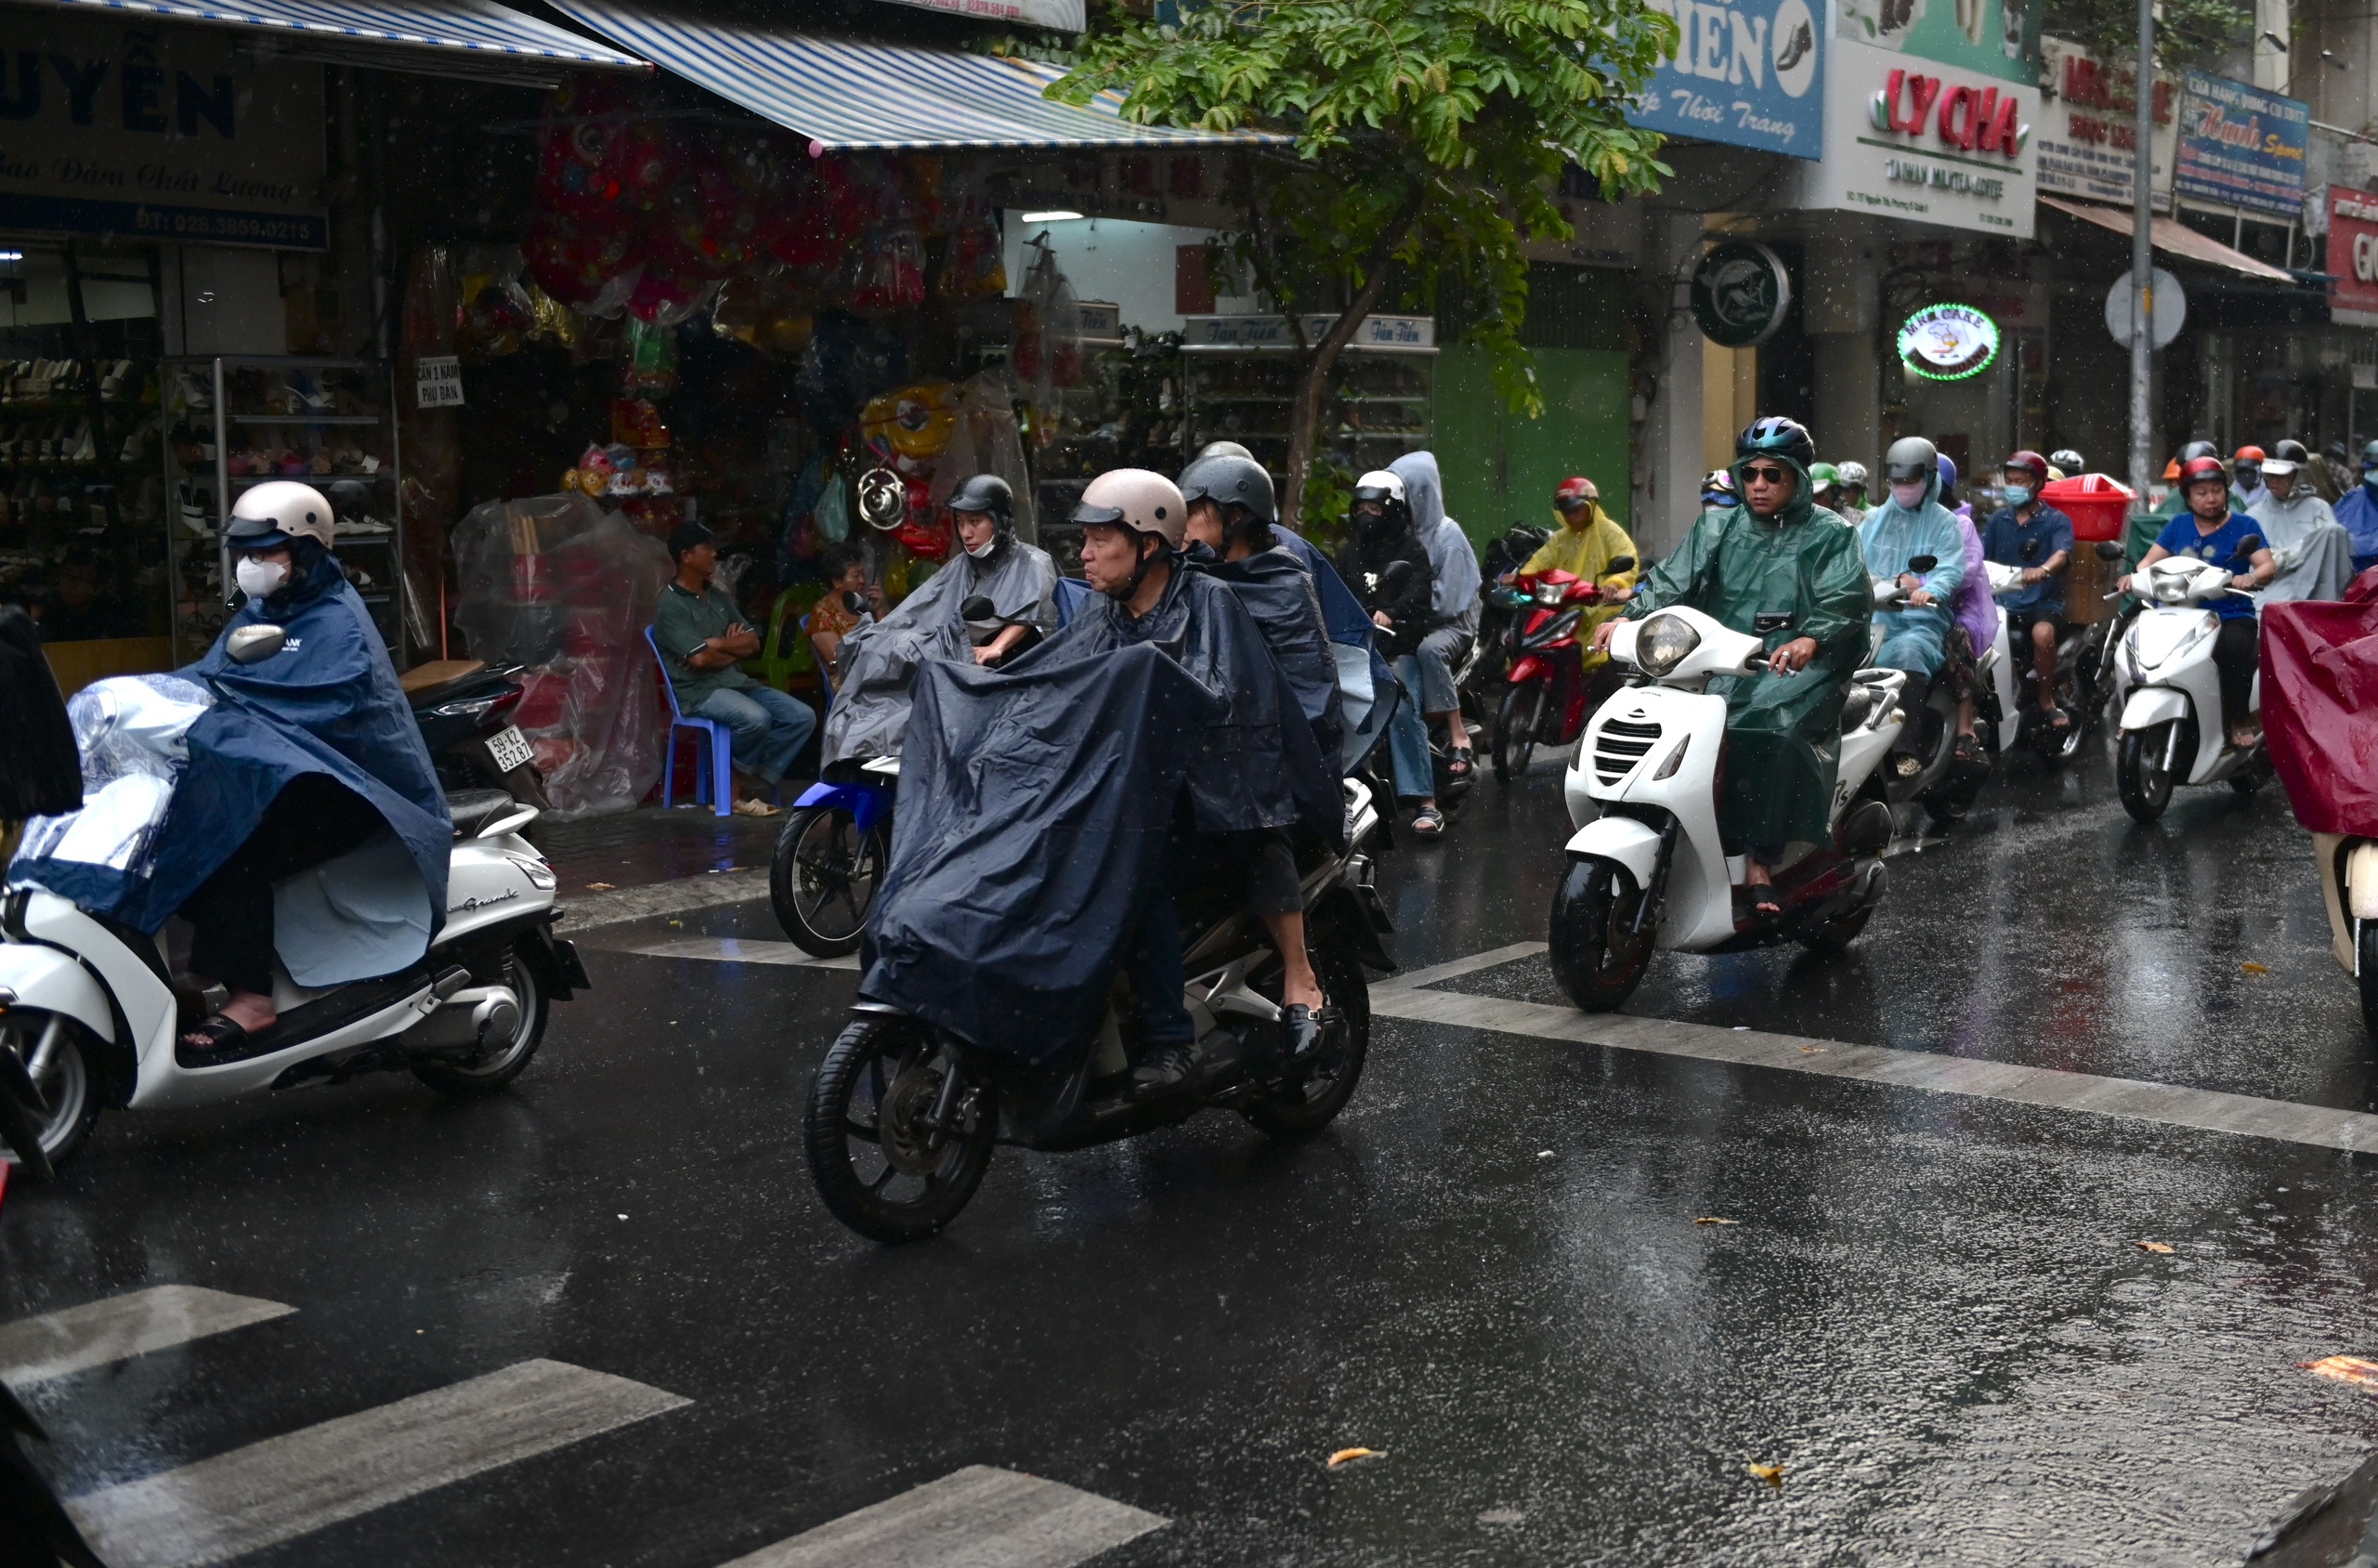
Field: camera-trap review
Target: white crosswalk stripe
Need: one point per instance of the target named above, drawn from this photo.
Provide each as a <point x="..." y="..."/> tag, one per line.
<point x="289" y="1486"/>
<point x="77" y="1339"/>
<point x="977" y="1518"/>
<point x="723" y="949"/>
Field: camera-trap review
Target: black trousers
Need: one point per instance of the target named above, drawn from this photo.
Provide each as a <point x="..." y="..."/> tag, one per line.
<point x="2237" y="648"/>
<point x="313" y="819"/>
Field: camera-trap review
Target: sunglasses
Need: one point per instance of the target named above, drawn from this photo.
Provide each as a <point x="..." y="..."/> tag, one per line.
<point x="1766" y="476"/>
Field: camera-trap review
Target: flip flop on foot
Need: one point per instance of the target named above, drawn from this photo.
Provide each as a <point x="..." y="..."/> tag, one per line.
<point x="752" y="805"/>
<point x="1764" y="902"/>
<point x="1968" y="749"/>
<point x="216" y="1033"/>
<point x="1461" y="763"/>
<point x="2056" y="718"/>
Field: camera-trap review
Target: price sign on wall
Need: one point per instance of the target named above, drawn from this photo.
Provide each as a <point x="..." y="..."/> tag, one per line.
<point x="437" y="381"/>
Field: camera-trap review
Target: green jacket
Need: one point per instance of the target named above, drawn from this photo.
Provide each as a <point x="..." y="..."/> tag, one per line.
<point x="1784" y="734"/>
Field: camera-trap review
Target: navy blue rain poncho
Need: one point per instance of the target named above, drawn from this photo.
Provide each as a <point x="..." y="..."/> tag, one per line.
<point x="328" y="702"/>
<point x="1279" y="591"/>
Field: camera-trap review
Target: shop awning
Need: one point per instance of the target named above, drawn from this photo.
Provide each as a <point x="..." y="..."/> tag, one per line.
<point x="846" y="96"/>
<point x="472" y="38"/>
<point x="2177" y="238"/>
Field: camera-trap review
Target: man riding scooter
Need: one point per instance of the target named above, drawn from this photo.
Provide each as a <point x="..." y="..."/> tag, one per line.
<point x="2211" y="531"/>
<point x="1910" y="525"/>
<point x="2029" y="534"/>
<point x="1779" y="568"/>
<point x="1403" y="606"/>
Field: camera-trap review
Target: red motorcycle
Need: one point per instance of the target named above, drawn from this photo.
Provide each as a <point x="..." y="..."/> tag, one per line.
<point x="1548" y="696"/>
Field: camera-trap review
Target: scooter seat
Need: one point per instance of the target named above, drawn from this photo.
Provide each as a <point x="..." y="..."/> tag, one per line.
<point x="425" y="684"/>
<point x="474" y="809"/>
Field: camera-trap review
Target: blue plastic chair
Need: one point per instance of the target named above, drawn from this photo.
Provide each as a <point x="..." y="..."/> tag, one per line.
<point x="717" y="750"/>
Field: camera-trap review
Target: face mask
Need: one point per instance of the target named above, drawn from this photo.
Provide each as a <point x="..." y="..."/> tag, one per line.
<point x="2018" y="495"/>
<point x="984" y="553"/>
<point x="258" y="578"/>
<point x="1909" y="496"/>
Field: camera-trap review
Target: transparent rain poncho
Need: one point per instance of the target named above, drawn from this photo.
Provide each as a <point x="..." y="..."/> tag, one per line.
<point x="133" y="732"/>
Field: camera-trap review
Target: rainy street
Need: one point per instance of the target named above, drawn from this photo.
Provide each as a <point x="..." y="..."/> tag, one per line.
<point x="1997" y="1241"/>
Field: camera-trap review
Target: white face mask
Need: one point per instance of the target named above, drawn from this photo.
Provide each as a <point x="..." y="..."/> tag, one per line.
<point x="984" y="551"/>
<point x="258" y="578"/>
<point x="1910" y="496"/>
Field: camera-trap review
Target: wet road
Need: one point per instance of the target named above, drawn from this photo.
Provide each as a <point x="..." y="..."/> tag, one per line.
<point x="1932" y="1309"/>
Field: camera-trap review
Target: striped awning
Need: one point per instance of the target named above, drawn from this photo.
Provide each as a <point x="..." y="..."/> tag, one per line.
<point x="472" y="38"/>
<point x="846" y="96"/>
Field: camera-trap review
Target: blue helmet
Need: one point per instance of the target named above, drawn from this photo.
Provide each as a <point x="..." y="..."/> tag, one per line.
<point x="1948" y="477"/>
<point x="1774" y="435"/>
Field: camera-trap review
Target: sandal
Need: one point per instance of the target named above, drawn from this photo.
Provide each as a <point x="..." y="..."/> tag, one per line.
<point x="1429" y="824"/>
<point x="1968" y="749"/>
<point x="752" y="805"/>
<point x="216" y="1033"/>
<point x="1460" y="764"/>
<point x="2056" y="718"/>
<point x="1763" y="901"/>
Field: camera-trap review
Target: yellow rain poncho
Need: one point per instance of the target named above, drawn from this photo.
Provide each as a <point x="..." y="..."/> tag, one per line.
<point x="1585" y="549"/>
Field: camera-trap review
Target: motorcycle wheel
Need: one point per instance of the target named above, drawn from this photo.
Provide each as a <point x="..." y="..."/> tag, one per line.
<point x="1305" y="1109"/>
<point x="2366" y="950"/>
<point x="497" y="1064"/>
<point x="66" y="1083"/>
<point x="1597" y="956"/>
<point x="824" y="878"/>
<point x="877" y="1172"/>
<point x="2140" y="775"/>
<point x="1515" y="729"/>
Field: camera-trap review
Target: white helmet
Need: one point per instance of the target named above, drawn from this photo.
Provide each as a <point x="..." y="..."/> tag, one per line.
<point x="1850" y="475"/>
<point x="1137" y="499"/>
<point x="274" y="513"/>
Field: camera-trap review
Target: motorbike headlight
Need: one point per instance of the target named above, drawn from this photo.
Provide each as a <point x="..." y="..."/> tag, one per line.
<point x="1548" y="593"/>
<point x="1664" y="643"/>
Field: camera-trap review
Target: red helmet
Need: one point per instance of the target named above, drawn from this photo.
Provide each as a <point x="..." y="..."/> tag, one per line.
<point x="2029" y="463"/>
<point x="2249" y="454"/>
<point x="2198" y="469"/>
<point x="1575" y="492"/>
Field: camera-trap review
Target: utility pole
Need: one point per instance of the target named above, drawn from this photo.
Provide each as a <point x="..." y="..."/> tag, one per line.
<point x="2142" y="254"/>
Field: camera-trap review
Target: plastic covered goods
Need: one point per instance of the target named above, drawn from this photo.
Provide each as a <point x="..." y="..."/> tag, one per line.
<point x="131" y="734"/>
<point x="566" y="587"/>
<point x="2320" y="660"/>
<point x="2096" y="503"/>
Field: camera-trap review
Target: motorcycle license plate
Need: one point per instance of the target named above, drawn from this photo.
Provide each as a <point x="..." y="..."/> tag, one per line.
<point x="509" y="748"/>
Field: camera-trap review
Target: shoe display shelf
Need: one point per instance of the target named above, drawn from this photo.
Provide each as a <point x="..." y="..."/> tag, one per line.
<point x="76" y="441"/>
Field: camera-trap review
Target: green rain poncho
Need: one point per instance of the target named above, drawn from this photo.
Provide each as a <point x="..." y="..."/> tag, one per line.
<point x="1783" y="732"/>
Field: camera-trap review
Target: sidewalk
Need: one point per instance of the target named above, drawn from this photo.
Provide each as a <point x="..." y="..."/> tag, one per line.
<point x="650" y="862"/>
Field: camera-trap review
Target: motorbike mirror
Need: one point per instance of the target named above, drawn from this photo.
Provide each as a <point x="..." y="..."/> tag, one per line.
<point x="252" y="644"/>
<point x="1919" y="565"/>
<point x="1393" y="579"/>
<point x="978" y="607"/>
<point x="2108" y="550"/>
<point x="854" y="602"/>
<point x="1619" y="564"/>
<point x="2247" y="546"/>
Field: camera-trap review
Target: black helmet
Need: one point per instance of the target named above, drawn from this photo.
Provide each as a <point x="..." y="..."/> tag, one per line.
<point x="2198" y="449"/>
<point x="1774" y="435"/>
<point x="986" y="493"/>
<point x="1229" y="480"/>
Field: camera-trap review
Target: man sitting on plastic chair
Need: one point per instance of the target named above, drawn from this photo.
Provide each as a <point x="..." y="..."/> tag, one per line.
<point x="701" y="638"/>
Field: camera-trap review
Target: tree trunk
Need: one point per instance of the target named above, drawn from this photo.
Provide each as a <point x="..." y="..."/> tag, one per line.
<point x="1321" y="360"/>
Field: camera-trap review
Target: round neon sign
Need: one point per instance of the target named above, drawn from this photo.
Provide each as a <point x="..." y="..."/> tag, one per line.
<point x="1948" y="341"/>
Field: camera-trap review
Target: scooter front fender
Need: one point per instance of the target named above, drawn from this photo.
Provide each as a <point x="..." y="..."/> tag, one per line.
<point x="1528" y="667"/>
<point x="2148" y="706"/>
<point x="1621" y="839"/>
<point x="35" y="977"/>
<point x="865" y="803"/>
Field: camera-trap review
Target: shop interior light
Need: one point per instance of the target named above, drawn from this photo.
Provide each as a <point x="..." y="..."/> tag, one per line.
<point x="12" y="255"/>
<point x="1051" y="218"/>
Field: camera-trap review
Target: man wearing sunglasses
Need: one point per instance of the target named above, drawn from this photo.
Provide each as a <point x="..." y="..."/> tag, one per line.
<point x="1781" y="567"/>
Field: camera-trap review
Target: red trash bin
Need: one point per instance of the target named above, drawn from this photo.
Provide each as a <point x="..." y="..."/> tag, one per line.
<point x="2098" y="503"/>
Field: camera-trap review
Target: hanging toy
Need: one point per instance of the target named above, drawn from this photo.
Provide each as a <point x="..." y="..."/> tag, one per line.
<point x="882" y="499"/>
<point x="916" y="422"/>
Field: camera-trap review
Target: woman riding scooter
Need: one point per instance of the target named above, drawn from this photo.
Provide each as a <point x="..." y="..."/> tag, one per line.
<point x="1910" y="526"/>
<point x="2211" y="531"/>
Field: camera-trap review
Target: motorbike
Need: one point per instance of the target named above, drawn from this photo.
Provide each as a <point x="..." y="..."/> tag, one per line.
<point x="1646" y="869"/>
<point x="1941" y="785"/>
<point x="463" y="707"/>
<point x="2172" y="730"/>
<point x="2055" y="747"/>
<point x="1548" y="693"/>
<point x="1500" y="609"/>
<point x="903" y="1116"/>
<point x="92" y="1010"/>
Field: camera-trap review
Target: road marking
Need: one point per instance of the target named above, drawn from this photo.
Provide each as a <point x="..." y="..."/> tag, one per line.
<point x="977" y="1518"/>
<point x="77" y="1339"/>
<point x="284" y="1487"/>
<point x="585" y="912"/>
<point x="2168" y="1104"/>
<point x="725" y="949"/>
<point x="1436" y="973"/>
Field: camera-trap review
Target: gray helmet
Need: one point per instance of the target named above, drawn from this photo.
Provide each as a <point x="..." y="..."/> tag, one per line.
<point x="1227" y="479"/>
<point x="1909" y="459"/>
<point x="1225" y="449"/>
<point x="986" y="493"/>
<point x="2067" y="462"/>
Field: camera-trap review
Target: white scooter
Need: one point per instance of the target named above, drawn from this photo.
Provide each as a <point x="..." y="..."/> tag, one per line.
<point x="89" y="1010"/>
<point x="1646" y="867"/>
<point x="2052" y="745"/>
<point x="2172" y="730"/>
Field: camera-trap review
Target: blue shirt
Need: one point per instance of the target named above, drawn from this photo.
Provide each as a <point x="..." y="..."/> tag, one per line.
<point x="2219" y="547"/>
<point x="2358" y="512"/>
<point x="2049" y="533"/>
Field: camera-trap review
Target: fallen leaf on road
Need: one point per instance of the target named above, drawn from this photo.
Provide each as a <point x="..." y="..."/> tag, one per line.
<point x="2255" y="968"/>
<point x="1502" y="1516"/>
<point x="1772" y="1474"/>
<point x="1812" y="1050"/>
<point x="1348" y="1456"/>
<point x="1713" y="1219"/>
<point x="603" y="887"/>
<point x="2354" y="1369"/>
<point x="2155" y="1247"/>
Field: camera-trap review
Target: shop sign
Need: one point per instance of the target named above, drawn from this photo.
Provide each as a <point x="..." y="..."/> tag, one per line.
<point x="1746" y="73"/>
<point x="1931" y="144"/>
<point x="2353" y="256"/>
<point x="1741" y="294"/>
<point x="2089" y="124"/>
<point x="1948" y="341"/>
<point x="1405" y="332"/>
<point x="160" y="133"/>
<point x="1062" y="16"/>
<point x="2240" y="146"/>
<point x="1998" y="38"/>
<point x="437" y="381"/>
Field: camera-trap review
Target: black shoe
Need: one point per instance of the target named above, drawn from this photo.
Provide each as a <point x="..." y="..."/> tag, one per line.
<point x="1166" y="1070"/>
<point x="1300" y="1026"/>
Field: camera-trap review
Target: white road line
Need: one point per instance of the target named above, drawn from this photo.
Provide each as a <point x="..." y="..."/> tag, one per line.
<point x="284" y="1487"/>
<point x="2168" y="1104"/>
<point x="976" y="1517"/>
<point x="723" y="949"/>
<point x="1436" y="973"/>
<point x="78" y="1339"/>
<point x="585" y="912"/>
